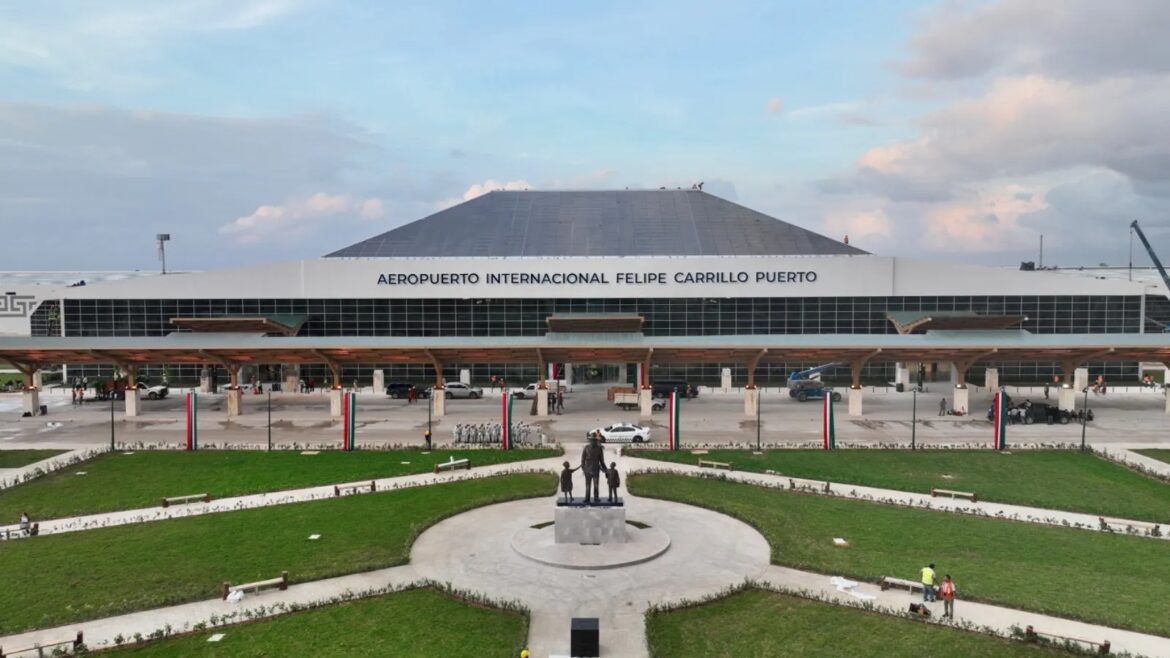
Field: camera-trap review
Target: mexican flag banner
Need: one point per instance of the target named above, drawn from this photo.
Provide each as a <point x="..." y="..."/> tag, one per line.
<point x="828" y="425"/>
<point x="348" y="424"/>
<point x="1000" y="420"/>
<point x="192" y="420"/>
<point x="506" y="421"/>
<point x="672" y="429"/>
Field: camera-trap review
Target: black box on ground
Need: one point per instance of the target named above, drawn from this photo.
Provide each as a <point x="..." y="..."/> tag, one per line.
<point x="585" y="638"/>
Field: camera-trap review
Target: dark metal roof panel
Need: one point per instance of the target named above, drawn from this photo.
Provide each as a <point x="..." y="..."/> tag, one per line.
<point x="596" y="223"/>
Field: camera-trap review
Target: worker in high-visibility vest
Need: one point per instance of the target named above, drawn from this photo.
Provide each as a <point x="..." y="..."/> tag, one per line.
<point x="947" y="591"/>
<point x="928" y="578"/>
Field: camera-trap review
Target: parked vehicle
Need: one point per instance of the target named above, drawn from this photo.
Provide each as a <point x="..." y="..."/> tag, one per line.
<point x="528" y="392"/>
<point x="630" y="401"/>
<point x="804" y="385"/>
<point x="401" y="390"/>
<point x="156" y="392"/>
<point x="459" y="390"/>
<point x="1028" y="413"/>
<point x="662" y="388"/>
<point x="621" y="433"/>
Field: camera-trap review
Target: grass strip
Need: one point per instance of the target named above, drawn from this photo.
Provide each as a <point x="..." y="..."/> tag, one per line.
<point x="57" y="579"/>
<point x="18" y="458"/>
<point x="119" y="481"/>
<point x="761" y="623"/>
<point x="1116" y="580"/>
<point x="1050" y="479"/>
<point x="419" y="622"/>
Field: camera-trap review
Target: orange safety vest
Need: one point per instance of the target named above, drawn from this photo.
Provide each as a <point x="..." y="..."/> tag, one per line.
<point x="947" y="589"/>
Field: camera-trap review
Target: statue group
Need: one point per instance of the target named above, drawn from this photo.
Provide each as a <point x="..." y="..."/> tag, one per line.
<point x="592" y="466"/>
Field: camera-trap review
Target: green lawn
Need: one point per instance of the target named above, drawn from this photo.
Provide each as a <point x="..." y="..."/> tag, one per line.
<point x="1051" y="479"/>
<point x="119" y="481"/>
<point x="761" y="623"/>
<point x="420" y="622"/>
<point x="1117" y="580"/>
<point x="18" y="458"/>
<point x="56" y="579"/>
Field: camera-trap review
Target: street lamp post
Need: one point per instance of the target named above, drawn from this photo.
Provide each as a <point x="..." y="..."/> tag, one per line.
<point x="270" y="419"/>
<point x="111" y="423"/>
<point x="759" y="400"/>
<point x="1084" y="418"/>
<point x="914" y="418"/>
<point x="430" y="409"/>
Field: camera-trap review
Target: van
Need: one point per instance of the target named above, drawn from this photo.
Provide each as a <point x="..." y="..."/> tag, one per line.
<point x="662" y="388"/>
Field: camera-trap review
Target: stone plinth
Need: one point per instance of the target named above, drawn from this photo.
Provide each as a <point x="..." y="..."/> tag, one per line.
<point x="233" y="397"/>
<point x="646" y="402"/>
<point x="132" y="405"/>
<point x="751" y="402"/>
<point x="590" y="525"/>
<point x="30" y="401"/>
<point x="855" y="398"/>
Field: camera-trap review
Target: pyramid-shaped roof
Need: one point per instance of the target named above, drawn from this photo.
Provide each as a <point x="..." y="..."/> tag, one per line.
<point x="596" y="223"/>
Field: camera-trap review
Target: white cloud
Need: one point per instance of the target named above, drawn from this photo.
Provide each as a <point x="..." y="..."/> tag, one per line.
<point x="297" y="218"/>
<point x="774" y="105"/>
<point x="480" y="189"/>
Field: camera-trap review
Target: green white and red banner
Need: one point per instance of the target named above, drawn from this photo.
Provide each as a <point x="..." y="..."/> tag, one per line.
<point x="828" y="423"/>
<point x="1000" y="420"/>
<point x="192" y="420"/>
<point x="348" y="421"/>
<point x="672" y="429"/>
<point x="506" y="421"/>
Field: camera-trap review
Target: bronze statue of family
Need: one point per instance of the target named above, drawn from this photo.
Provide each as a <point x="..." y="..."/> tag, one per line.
<point x="592" y="465"/>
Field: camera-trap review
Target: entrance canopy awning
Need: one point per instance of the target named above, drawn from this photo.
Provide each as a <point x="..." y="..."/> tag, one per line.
<point x="966" y="346"/>
<point x="908" y="322"/>
<point x="283" y="325"/>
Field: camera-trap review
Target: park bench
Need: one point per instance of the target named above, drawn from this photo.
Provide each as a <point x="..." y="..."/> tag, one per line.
<point x="1031" y="635"/>
<point x="954" y="494"/>
<point x="889" y="581"/>
<point x="453" y="465"/>
<point x="340" y="489"/>
<point x="184" y="500"/>
<point x="280" y="583"/>
<point x="50" y="649"/>
<point x="707" y="463"/>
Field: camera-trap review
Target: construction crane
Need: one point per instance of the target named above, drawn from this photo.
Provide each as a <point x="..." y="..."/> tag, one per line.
<point x="1154" y="257"/>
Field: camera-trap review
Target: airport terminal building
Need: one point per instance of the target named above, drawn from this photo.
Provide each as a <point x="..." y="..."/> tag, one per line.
<point x="659" y="262"/>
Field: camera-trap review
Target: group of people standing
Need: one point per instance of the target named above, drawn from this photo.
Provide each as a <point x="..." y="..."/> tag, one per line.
<point x="932" y="590"/>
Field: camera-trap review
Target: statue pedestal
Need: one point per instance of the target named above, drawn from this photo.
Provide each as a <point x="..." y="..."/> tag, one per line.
<point x="601" y="524"/>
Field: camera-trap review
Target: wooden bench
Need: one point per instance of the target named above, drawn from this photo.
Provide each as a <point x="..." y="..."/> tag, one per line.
<point x="280" y="583"/>
<point x="453" y="465"/>
<point x="193" y="498"/>
<point x="707" y="463"/>
<point x="340" y="489"/>
<point x="1124" y="524"/>
<point x="973" y="497"/>
<point x="887" y="582"/>
<point x="1031" y="634"/>
<point x="54" y="647"/>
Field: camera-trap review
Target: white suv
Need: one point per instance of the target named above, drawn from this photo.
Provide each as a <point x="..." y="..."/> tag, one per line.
<point x="460" y="390"/>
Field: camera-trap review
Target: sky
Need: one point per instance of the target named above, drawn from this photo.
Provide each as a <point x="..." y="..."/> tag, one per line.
<point x="263" y="130"/>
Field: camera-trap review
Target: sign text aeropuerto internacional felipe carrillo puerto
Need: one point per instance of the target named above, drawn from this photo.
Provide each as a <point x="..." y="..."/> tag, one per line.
<point x="591" y="278"/>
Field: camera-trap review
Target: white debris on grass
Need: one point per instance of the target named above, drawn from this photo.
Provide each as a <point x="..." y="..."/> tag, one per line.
<point x="80" y="473"/>
<point x="310" y="452"/>
<point x="840" y="541"/>
<point x="403" y="462"/>
<point x="236" y="596"/>
<point x="314" y="537"/>
<point x="847" y="586"/>
<point x="215" y="638"/>
<point x="127" y="453"/>
<point x="700" y="452"/>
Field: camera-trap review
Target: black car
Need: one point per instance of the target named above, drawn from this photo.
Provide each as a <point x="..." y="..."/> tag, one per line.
<point x="401" y="390"/>
<point x="662" y="388"/>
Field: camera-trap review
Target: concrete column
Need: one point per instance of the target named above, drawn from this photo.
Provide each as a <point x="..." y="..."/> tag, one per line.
<point x="132" y="403"/>
<point x="991" y="379"/>
<point x="961" y="400"/>
<point x="1067" y="398"/>
<point x="902" y="376"/>
<point x="1081" y="379"/>
<point x="568" y="375"/>
<point x="646" y="402"/>
<point x="30" y="400"/>
<point x="751" y="402"/>
<point x="542" y="402"/>
<point x="204" y="381"/>
<point x="438" y="402"/>
<point x="379" y="382"/>
<point x="725" y="379"/>
<point x="233" y="396"/>
<point x="855" y="401"/>
<point x="1166" y="391"/>
<point x="38" y="380"/>
<point x="640" y="375"/>
<point x="292" y="377"/>
<point x="335" y="402"/>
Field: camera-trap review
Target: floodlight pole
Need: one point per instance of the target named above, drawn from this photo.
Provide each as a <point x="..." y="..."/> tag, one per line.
<point x="269" y="419"/>
<point x="1084" y="418"/>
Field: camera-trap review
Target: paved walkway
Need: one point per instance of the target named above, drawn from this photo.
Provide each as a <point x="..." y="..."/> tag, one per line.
<point x="710" y="552"/>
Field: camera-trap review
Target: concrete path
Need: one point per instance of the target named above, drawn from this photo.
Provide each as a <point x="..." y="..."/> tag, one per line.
<point x="709" y="553"/>
<point x="1125" y="453"/>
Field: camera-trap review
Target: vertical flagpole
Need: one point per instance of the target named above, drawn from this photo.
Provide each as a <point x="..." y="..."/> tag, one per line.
<point x="1000" y="421"/>
<point x="344" y="421"/>
<point x="828" y="424"/>
<point x="352" y="438"/>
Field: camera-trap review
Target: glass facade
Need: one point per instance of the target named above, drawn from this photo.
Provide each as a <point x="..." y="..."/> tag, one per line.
<point x="662" y="317"/>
